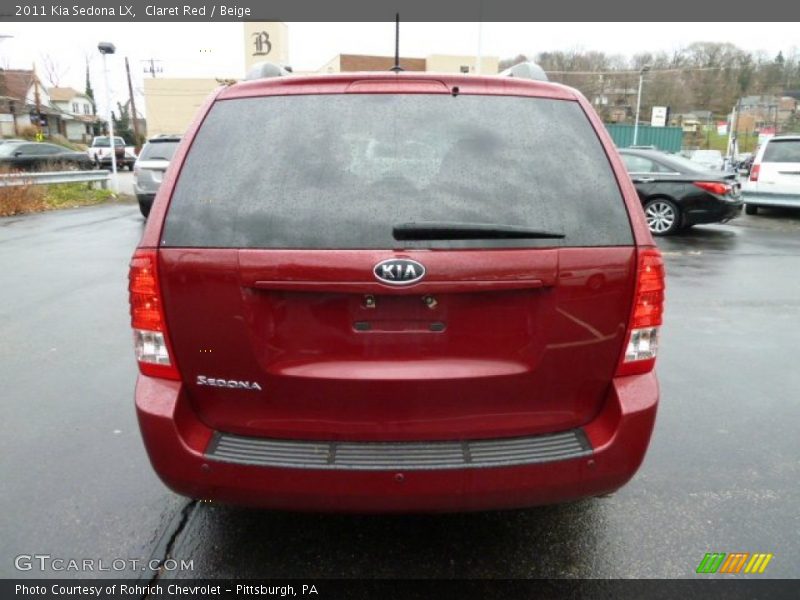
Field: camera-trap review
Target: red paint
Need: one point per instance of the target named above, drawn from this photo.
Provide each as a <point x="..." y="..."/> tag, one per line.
<point x="516" y="342"/>
<point x="176" y="438"/>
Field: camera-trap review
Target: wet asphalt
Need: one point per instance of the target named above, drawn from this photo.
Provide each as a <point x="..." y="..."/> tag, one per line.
<point x="721" y="474"/>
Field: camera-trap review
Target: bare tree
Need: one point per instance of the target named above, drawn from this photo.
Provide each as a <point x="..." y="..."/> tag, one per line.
<point x="53" y="70"/>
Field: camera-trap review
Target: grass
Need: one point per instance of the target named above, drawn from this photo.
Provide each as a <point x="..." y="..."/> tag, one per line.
<point x="713" y="141"/>
<point x="70" y="195"/>
<point x="24" y="199"/>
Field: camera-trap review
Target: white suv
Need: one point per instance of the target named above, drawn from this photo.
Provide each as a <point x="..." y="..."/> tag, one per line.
<point x="775" y="175"/>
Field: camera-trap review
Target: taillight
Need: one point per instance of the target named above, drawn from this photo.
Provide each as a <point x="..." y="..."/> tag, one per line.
<point x="648" y="307"/>
<point x="147" y="317"/>
<point x="715" y="187"/>
<point x="754" y="172"/>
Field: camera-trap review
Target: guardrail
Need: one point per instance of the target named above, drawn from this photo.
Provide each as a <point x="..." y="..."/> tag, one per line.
<point x="50" y="177"/>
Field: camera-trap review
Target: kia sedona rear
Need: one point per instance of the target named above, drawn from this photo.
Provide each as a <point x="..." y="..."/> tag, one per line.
<point x="396" y="293"/>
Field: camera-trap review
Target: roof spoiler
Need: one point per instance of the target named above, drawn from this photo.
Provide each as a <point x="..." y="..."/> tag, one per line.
<point x="265" y="70"/>
<point x="526" y="70"/>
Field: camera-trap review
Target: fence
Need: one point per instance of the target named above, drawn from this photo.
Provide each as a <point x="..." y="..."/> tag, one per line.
<point x="51" y="177"/>
<point x="668" y="139"/>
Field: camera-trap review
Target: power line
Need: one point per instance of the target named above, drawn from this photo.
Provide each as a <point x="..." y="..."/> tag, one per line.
<point x="151" y="66"/>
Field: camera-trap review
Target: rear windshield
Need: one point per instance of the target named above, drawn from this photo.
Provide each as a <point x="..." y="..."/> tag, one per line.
<point x="102" y="142"/>
<point x="340" y="171"/>
<point x="158" y="150"/>
<point x="782" y="151"/>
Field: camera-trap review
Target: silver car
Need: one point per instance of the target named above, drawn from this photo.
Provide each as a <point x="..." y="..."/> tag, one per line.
<point x="710" y="159"/>
<point x="774" y="179"/>
<point x="150" y="167"/>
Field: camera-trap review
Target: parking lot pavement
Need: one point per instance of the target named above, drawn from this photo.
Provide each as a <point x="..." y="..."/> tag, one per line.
<point x="721" y="474"/>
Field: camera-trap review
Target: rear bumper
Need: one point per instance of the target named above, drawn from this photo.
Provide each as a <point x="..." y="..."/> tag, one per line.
<point x="776" y="200"/>
<point x="718" y="212"/>
<point x="106" y="161"/>
<point x="144" y="198"/>
<point x="181" y="449"/>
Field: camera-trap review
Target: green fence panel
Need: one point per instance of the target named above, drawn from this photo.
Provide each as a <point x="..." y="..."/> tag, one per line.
<point x="668" y="139"/>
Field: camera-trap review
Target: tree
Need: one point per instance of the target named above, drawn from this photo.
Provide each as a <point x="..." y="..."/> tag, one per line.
<point x="53" y="70"/>
<point x="122" y="125"/>
<point x="507" y="63"/>
<point x="89" y="91"/>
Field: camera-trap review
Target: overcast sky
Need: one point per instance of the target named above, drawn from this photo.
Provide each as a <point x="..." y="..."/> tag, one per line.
<point x="217" y="49"/>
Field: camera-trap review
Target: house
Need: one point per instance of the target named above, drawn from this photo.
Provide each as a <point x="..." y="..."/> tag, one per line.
<point x="616" y="105"/>
<point x="768" y="111"/>
<point x="77" y="113"/>
<point x="19" y="89"/>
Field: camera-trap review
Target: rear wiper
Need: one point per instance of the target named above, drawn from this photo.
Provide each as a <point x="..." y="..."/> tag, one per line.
<point x="438" y="230"/>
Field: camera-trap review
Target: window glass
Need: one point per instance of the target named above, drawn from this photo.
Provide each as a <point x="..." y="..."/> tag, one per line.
<point x="339" y="171"/>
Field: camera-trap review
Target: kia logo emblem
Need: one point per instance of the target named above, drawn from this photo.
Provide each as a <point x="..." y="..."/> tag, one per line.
<point x="399" y="271"/>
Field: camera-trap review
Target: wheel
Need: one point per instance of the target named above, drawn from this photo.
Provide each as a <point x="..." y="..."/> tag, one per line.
<point x="749" y="209"/>
<point x="663" y="217"/>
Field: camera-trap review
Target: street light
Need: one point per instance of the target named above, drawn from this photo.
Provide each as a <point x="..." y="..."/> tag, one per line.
<point x="644" y="70"/>
<point x="105" y="49"/>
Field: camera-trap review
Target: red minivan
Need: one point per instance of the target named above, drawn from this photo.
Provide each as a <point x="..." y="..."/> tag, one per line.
<point x="393" y="292"/>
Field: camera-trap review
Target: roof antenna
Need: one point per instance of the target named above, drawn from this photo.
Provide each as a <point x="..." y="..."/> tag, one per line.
<point x="397" y="68"/>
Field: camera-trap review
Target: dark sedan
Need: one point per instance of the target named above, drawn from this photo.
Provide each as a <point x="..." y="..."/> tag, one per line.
<point x="40" y="156"/>
<point x="677" y="193"/>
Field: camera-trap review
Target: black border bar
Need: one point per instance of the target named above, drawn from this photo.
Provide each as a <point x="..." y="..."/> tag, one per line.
<point x="323" y="589"/>
<point x="410" y="10"/>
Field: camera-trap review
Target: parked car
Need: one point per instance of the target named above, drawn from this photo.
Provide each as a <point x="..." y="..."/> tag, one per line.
<point x="100" y="153"/>
<point x="41" y="156"/>
<point x="149" y="169"/>
<point x="711" y="160"/>
<point x="774" y="179"/>
<point x="677" y="193"/>
<point x="470" y="326"/>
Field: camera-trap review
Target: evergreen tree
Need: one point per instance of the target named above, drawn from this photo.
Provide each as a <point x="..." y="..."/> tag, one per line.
<point x="89" y="91"/>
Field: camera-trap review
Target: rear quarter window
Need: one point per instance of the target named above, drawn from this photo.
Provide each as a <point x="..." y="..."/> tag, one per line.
<point x="782" y="151"/>
<point x="339" y="171"/>
<point x="159" y="150"/>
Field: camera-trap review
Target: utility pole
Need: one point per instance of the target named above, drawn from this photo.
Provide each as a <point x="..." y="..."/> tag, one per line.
<point x="133" y="107"/>
<point x="151" y="66"/>
<point x="38" y="102"/>
<point x="643" y="70"/>
<point x="105" y="49"/>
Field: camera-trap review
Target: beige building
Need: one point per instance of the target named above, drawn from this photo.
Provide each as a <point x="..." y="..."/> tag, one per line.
<point x="265" y="41"/>
<point x="444" y="63"/>
<point x="171" y="104"/>
<point x="435" y="63"/>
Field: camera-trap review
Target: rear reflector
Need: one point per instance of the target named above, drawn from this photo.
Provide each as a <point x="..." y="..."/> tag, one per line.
<point x="754" y="172"/>
<point x="715" y="187"/>
<point x="646" y="316"/>
<point x="147" y="317"/>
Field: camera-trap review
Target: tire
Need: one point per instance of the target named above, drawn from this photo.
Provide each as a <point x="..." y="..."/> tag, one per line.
<point x="663" y="216"/>
<point x="750" y="209"/>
